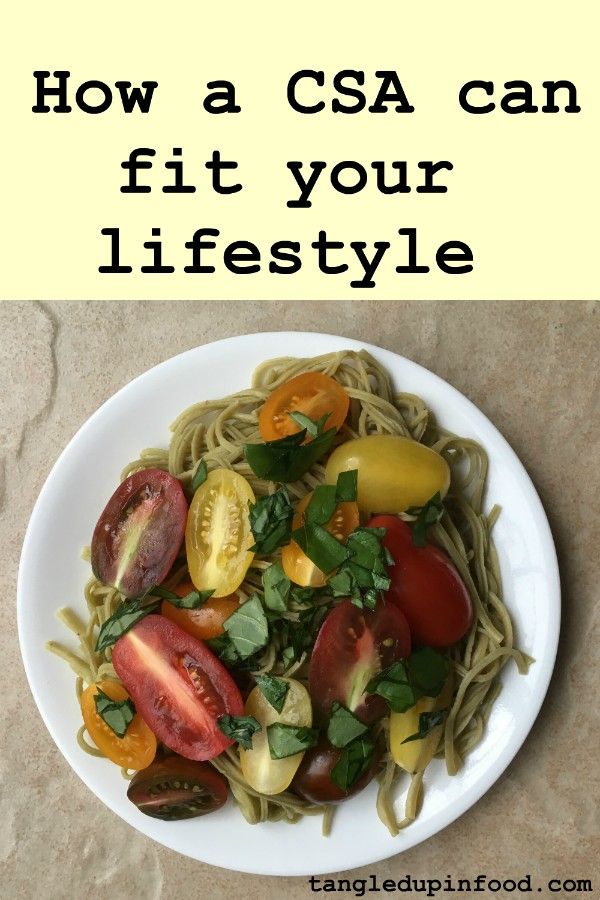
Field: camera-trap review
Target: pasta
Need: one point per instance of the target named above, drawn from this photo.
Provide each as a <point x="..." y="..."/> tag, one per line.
<point x="215" y="431"/>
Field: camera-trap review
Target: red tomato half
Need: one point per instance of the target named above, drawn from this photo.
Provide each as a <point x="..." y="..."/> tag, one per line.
<point x="352" y="646"/>
<point x="139" y="534"/>
<point x="178" y="685"/>
<point x="426" y="587"/>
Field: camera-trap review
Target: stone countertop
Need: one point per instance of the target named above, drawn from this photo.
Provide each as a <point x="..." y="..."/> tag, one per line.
<point x="531" y="367"/>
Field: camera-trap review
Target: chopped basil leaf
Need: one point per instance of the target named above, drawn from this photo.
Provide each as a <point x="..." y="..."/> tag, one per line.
<point x="126" y="616"/>
<point x="428" y="670"/>
<point x="392" y="684"/>
<point x="193" y="600"/>
<point x="118" y="714"/>
<point x="273" y="689"/>
<point x="325" y="551"/>
<point x="224" y="649"/>
<point x="312" y="426"/>
<point x="344" y="726"/>
<point x="200" y="475"/>
<point x="427" y="722"/>
<point x="354" y="760"/>
<point x="426" y="515"/>
<point x="347" y="486"/>
<point x="287" y="740"/>
<point x="247" y="627"/>
<point x="322" y="505"/>
<point x="276" y="587"/>
<point x="239" y="728"/>
<point x="363" y="575"/>
<point x="299" y="636"/>
<point x="271" y="522"/>
<point x="423" y="674"/>
<point x="288" y="458"/>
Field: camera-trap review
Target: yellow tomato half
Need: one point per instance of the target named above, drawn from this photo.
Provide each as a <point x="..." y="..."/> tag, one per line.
<point x="137" y="748"/>
<point x="393" y="472"/>
<point x="296" y="564"/>
<point x="416" y="755"/>
<point x="218" y="534"/>
<point x="272" y="776"/>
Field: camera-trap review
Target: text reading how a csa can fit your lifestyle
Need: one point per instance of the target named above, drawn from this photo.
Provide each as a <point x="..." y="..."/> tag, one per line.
<point x="309" y="92"/>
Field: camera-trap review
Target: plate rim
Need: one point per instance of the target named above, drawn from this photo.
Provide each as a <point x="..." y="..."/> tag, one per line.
<point x="471" y="796"/>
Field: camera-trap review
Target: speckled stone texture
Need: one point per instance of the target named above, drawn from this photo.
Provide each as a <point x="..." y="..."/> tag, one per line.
<point x="531" y="367"/>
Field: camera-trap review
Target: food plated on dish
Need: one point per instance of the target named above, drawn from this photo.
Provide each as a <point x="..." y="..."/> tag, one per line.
<point x="297" y="597"/>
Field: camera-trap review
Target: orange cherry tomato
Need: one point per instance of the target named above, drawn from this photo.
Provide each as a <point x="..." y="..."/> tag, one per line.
<point x="296" y="564"/>
<point x="313" y="394"/>
<point x="136" y="749"/>
<point x="206" y="621"/>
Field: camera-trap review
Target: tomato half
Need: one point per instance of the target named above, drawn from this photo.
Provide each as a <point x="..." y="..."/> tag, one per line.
<point x="313" y="779"/>
<point x="175" y="788"/>
<point x="140" y="531"/>
<point x="264" y="774"/>
<point x="426" y="587"/>
<point x="206" y="621"/>
<point x="296" y="564"/>
<point x="313" y="394"/>
<point x="218" y="533"/>
<point x="352" y="646"/>
<point x="178" y="686"/>
<point x="137" y="748"/>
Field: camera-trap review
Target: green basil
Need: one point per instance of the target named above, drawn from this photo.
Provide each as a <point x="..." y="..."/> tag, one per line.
<point x="247" y="627"/>
<point x="363" y="574"/>
<point x="223" y="647"/>
<point x="200" y="475"/>
<point x="344" y="726"/>
<point x="312" y="426"/>
<point x="354" y="761"/>
<point x="118" y="714"/>
<point x="346" y="488"/>
<point x="322" y="505"/>
<point x="426" y="515"/>
<point x="193" y="600"/>
<point x="287" y="740"/>
<point x="288" y="458"/>
<point x="423" y="674"/>
<point x="427" y="722"/>
<point x="428" y="670"/>
<point x="271" y="522"/>
<point x="126" y="616"/>
<point x="273" y="689"/>
<point x="325" y="551"/>
<point x="239" y="728"/>
<point x="276" y="587"/>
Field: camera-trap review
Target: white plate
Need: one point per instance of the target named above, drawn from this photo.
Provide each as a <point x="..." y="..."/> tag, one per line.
<point x="52" y="574"/>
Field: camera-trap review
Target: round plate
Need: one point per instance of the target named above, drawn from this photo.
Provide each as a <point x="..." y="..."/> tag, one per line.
<point x="52" y="574"/>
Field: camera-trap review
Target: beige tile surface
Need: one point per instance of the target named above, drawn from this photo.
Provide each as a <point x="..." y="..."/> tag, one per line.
<point x="531" y="367"/>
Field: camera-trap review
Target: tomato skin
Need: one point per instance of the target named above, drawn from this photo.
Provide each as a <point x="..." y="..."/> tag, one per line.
<point x="178" y="686"/>
<point x="426" y="587"/>
<point x="352" y="646"/>
<point x="218" y="534"/>
<point x="174" y="788"/>
<point x="139" y="532"/>
<point x="313" y="779"/>
<point x="137" y="748"/>
<point x="313" y="394"/>
<point x="393" y="472"/>
<point x="296" y="564"/>
<point x="205" y="622"/>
